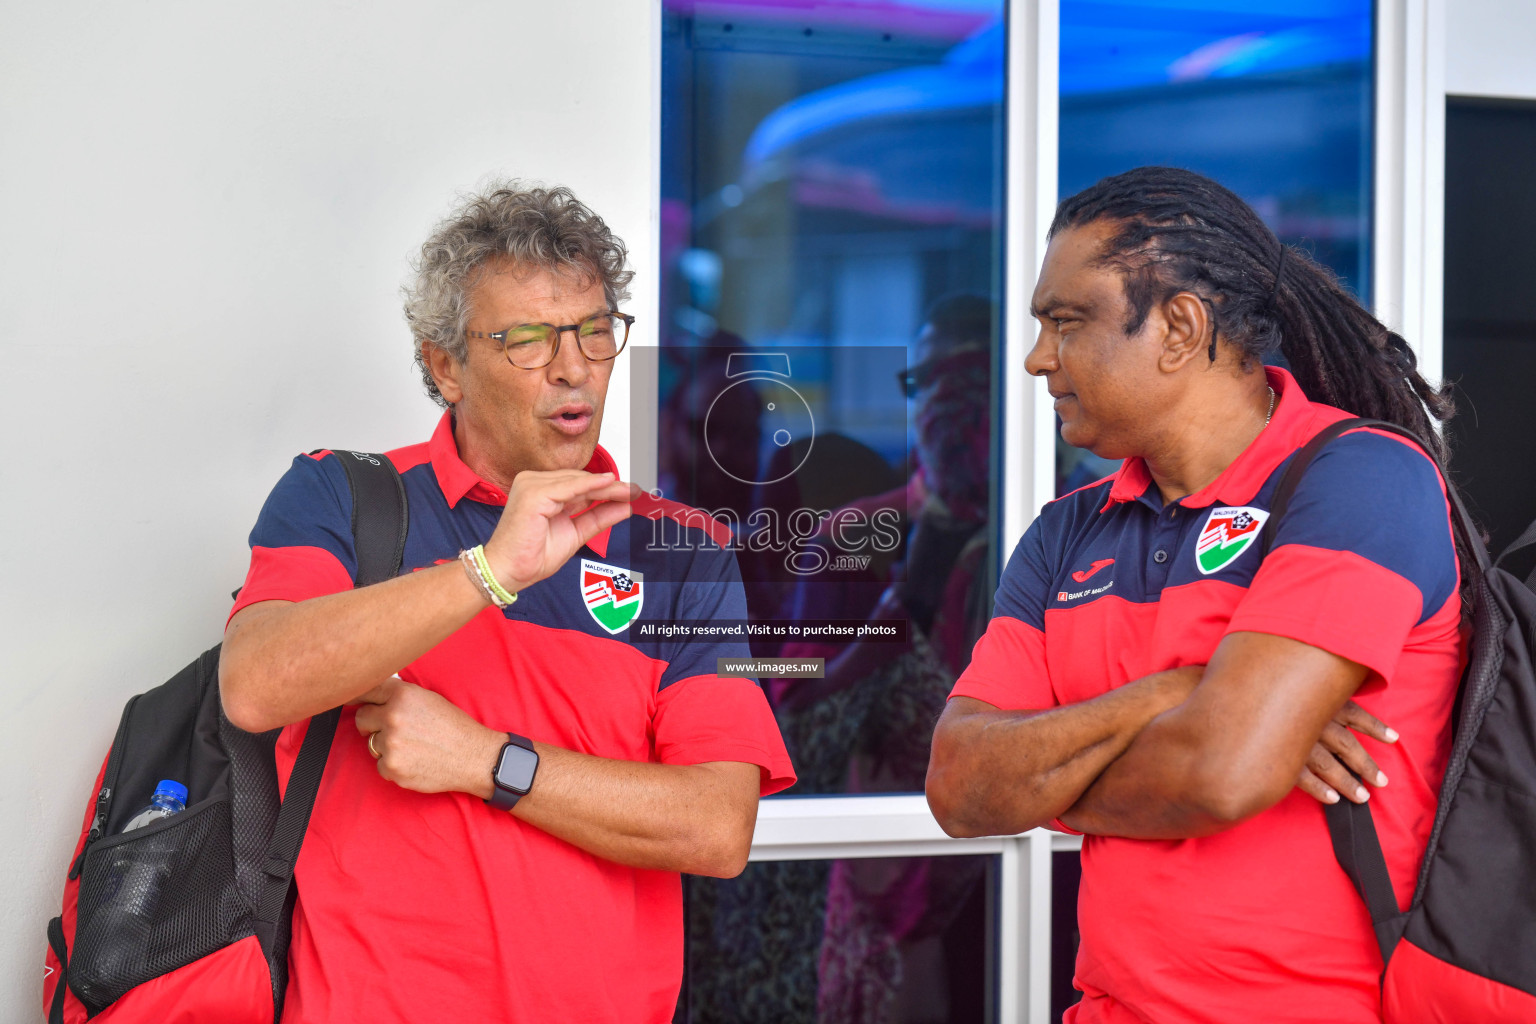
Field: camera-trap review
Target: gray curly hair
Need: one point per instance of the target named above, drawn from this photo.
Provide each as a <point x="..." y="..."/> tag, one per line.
<point x="531" y="225"/>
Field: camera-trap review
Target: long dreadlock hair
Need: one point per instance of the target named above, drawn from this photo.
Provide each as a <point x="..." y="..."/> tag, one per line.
<point x="1180" y="231"/>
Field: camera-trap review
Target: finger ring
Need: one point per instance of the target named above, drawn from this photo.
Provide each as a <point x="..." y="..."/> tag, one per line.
<point x="371" y="748"/>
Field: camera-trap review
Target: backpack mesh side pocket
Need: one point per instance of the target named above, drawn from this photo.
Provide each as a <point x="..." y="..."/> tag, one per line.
<point x="154" y="900"/>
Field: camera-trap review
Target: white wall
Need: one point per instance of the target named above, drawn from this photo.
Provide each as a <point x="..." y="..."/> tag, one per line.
<point x="1489" y="46"/>
<point x="206" y="211"/>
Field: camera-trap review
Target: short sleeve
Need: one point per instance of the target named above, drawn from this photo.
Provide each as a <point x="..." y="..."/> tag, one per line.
<point x="710" y="591"/>
<point x="1363" y="555"/>
<point x="707" y="718"/>
<point x="1008" y="668"/>
<point x="301" y="546"/>
<point x="700" y="716"/>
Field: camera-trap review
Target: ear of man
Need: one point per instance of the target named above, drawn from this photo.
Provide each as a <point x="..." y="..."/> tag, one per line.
<point x="1187" y="327"/>
<point x="444" y="369"/>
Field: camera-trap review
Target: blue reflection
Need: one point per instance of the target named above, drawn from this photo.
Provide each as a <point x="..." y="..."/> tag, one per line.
<point x="1129" y="45"/>
<point x="914" y="142"/>
<point x="1272" y="99"/>
<point x="829" y="171"/>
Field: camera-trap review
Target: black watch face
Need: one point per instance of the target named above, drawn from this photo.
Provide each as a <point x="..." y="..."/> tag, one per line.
<point x="515" y="771"/>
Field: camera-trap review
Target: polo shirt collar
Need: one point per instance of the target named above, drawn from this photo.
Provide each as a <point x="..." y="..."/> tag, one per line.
<point x="457" y="481"/>
<point x="1239" y="483"/>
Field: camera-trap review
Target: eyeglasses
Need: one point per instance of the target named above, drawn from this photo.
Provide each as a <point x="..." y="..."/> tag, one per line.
<point x="923" y="374"/>
<point x="599" y="337"/>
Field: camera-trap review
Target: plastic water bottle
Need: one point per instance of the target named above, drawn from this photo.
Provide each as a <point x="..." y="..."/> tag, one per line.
<point x="170" y="798"/>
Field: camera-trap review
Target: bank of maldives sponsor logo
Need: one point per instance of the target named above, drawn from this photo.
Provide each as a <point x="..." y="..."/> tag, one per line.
<point x="1227" y="533"/>
<point x="613" y="596"/>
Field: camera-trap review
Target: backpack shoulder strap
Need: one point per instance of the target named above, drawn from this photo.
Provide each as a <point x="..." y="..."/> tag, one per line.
<point x="1351" y="828"/>
<point x="380" y="517"/>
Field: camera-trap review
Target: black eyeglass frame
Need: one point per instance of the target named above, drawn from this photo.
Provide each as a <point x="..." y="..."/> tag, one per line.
<point x="915" y="378"/>
<point x="500" y="337"/>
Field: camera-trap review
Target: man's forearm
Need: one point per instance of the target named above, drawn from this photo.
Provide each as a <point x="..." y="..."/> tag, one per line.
<point x="283" y="662"/>
<point x="693" y="818"/>
<point x="1151" y="790"/>
<point x="1234" y="748"/>
<point x="998" y="772"/>
<point x="696" y="819"/>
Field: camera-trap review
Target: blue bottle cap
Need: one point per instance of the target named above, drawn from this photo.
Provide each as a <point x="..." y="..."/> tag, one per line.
<point x="170" y="787"/>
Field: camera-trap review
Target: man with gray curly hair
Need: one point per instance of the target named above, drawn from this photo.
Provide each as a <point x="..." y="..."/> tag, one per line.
<point x="500" y="835"/>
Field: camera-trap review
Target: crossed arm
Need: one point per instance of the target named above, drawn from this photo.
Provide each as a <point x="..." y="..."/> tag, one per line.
<point x="1176" y="754"/>
<point x="284" y="661"/>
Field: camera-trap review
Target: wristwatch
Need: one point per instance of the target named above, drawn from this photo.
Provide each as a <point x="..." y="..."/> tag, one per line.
<point x="512" y="777"/>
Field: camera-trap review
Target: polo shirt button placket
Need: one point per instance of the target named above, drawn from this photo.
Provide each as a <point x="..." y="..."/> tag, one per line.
<point x="1157" y="572"/>
<point x="1166" y="534"/>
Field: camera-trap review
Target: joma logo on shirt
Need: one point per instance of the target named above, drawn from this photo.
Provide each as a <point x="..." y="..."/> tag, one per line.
<point x="1081" y="576"/>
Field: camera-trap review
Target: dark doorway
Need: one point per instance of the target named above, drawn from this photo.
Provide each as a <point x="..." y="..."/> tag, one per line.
<point x="1490" y="307"/>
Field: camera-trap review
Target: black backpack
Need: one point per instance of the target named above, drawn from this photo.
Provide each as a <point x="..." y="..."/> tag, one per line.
<point x="189" y="917"/>
<point x="1465" y="950"/>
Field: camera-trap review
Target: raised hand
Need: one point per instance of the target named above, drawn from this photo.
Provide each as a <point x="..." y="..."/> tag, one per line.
<point x="548" y="518"/>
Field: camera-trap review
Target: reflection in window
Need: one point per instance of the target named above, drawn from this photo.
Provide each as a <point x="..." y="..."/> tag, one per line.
<point x="831" y="213"/>
<point x="842" y="942"/>
<point x="1270" y="97"/>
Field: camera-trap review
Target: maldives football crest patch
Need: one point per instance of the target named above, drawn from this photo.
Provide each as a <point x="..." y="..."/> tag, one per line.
<point x="1227" y="533"/>
<point x="613" y="596"/>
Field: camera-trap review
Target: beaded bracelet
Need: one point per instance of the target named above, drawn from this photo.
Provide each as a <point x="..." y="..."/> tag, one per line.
<point x="503" y="595"/>
<point x="473" y="572"/>
<point x="478" y="568"/>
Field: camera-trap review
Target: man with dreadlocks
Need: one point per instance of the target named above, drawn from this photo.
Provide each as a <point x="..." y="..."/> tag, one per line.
<point x="1148" y="682"/>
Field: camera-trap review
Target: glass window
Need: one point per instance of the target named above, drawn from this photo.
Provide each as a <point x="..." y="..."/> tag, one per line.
<point x="867" y="941"/>
<point x="831" y="248"/>
<point x="1273" y="98"/>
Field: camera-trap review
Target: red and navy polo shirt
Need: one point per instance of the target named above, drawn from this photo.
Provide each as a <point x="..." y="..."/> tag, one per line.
<point x="1109" y="584"/>
<point x="414" y="907"/>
